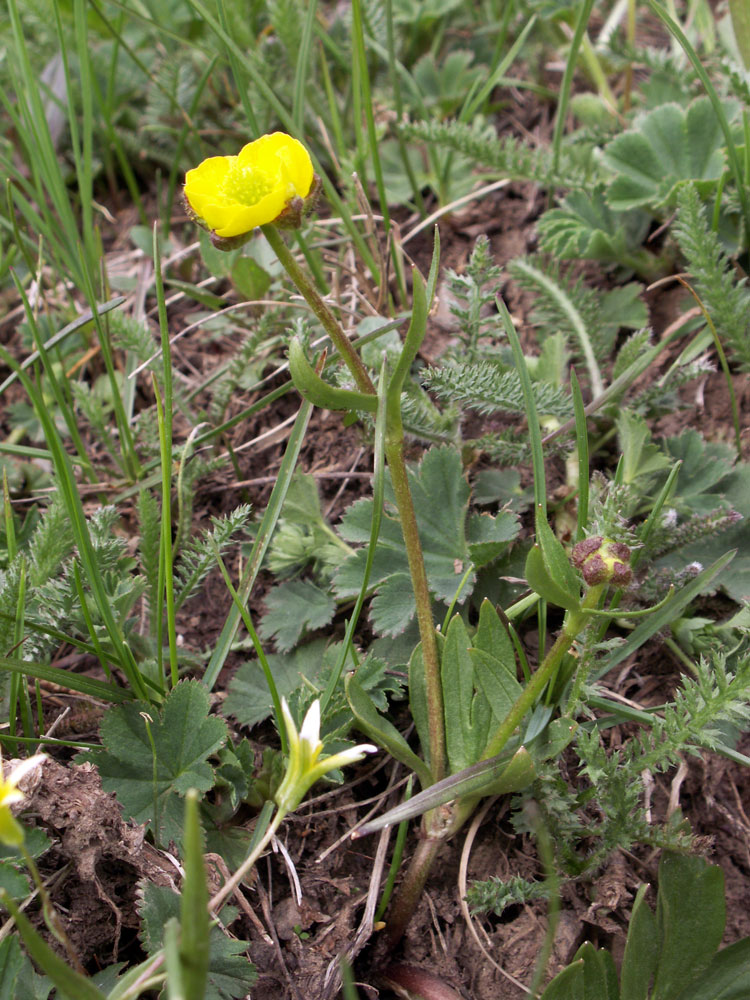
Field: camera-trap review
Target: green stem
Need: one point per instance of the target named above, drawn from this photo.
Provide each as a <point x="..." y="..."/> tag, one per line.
<point x="216" y="902"/>
<point x="329" y="322"/>
<point x="436" y="720"/>
<point x="410" y="890"/>
<point x="574" y="624"/>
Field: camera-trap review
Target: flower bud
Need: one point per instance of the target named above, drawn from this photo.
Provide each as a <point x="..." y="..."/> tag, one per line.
<point x="602" y="560"/>
<point x="270" y="180"/>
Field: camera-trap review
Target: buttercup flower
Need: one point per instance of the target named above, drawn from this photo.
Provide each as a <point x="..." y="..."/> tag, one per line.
<point x="269" y="177"/>
<point x="11" y="831"/>
<point x="305" y="746"/>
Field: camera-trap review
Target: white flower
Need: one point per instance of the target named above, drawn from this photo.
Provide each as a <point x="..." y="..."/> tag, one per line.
<point x="305" y="767"/>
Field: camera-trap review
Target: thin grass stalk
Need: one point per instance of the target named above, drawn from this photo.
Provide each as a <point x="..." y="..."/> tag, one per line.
<point x="240" y="71"/>
<point x="47" y="181"/>
<point x="732" y="155"/>
<point x="378" y="497"/>
<point x="395" y="84"/>
<point x="17" y="681"/>
<point x="185" y="131"/>
<point x="164" y="416"/>
<point x="301" y="69"/>
<point x="582" y="446"/>
<point x="584" y="13"/>
<point x="259" y="651"/>
<point x="335" y="116"/>
<point x="473" y="102"/>
<point x="71" y="497"/>
<point x="362" y="77"/>
<point x="262" y="539"/>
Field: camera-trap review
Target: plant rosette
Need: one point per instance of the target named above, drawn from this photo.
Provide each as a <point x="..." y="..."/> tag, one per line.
<point x="270" y="180"/>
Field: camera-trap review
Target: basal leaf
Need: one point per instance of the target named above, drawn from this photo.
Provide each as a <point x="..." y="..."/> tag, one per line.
<point x="393" y="605"/>
<point x="382" y="731"/>
<point x="230" y="974"/>
<point x="441" y="498"/>
<point x="690" y="917"/>
<point x="249" y="700"/>
<point x="668" y="145"/>
<point x="704" y="465"/>
<point x="726" y="978"/>
<point x="294" y="608"/>
<point x="11" y="961"/>
<point x="499" y="688"/>
<point x="641" y="951"/>
<point x="184" y="736"/>
<point x="585" y="227"/>
<point x="467" y="713"/>
<point x="492" y="638"/>
<point x="488" y="537"/>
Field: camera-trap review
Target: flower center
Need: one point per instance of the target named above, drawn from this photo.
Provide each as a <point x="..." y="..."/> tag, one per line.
<point x="247" y="185"/>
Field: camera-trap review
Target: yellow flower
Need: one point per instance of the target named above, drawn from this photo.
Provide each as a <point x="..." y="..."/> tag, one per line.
<point x="11" y="831"/>
<point x="234" y="194"/>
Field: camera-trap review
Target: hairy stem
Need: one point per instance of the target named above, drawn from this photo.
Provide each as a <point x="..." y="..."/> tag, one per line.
<point x="574" y="623"/>
<point x="394" y="455"/>
<point x="409" y="892"/>
<point x="311" y="295"/>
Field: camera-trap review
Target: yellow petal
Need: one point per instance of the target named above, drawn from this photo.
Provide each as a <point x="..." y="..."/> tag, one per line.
<point x="11" y="831"/>
<point x="219" y="188"/>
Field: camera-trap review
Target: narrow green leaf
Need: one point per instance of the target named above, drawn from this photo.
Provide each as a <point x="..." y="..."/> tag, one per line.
<point x="418" y="699"/>
<point x="195" y="946"/>
<point x="567" y="985"/>
<point x="690" y="916"/>
<point x="262" y="539"/>
<point x="541" y="582"/>
<point x="318" y="392"/>
<point x="467" y="715"/>
<point x="66" y="979"/>
<point x="726" y="978"/>
<point x="383" y="732"/>
<point x="173" y="960"/>
<point x="498" y="775"/>
<point x="599" y="974"/>
<point x="661" y="618"/>
<point x="641" y="951"/>
<point x="498" y="685"/>
<point x="67" y="679"/>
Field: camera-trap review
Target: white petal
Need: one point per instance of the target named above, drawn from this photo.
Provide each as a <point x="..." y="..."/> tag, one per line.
<point x="20" y="771"/>
<point x="310" y="732"/>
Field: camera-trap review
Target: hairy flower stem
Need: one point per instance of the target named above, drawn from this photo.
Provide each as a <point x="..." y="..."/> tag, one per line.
<point x="394" y="455"/>
<point x="329" y="322"/>
<point x="575" y="621"/>
<point x="409" y="892"/>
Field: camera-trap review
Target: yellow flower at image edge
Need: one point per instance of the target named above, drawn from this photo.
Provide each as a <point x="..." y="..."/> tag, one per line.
<point x="11" y="831"/>
<point x="234" y="194"/>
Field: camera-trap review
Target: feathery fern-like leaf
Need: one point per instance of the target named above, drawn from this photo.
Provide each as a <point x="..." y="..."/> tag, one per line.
<point x="726" y="299"/>
<point x="487" y="388"/>
<point x="199" y="555"/>
<point x="506" y="156"/>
